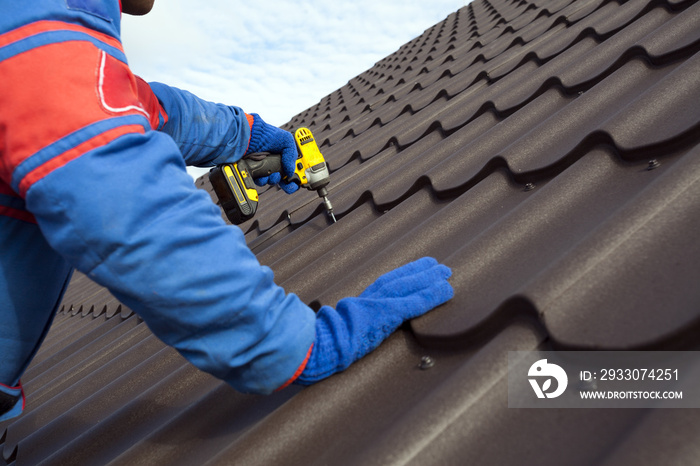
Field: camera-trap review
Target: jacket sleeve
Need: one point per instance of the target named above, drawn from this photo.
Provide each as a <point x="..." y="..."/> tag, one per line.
<point x="206" y="133"/>
<point x="164" y="251"/>
<point x="112" y="197"/>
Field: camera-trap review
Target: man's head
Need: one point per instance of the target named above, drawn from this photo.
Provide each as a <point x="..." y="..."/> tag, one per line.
<point x="137" y="7"/>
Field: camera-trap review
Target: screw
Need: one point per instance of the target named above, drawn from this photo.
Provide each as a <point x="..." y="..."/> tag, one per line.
<point x="653" y="164"/>
<point x="529" y="187"/>
<point x="426" y="362"/>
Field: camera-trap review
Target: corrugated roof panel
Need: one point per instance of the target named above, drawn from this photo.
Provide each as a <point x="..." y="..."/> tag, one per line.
<point x="571" y="224"/>
<point x="548" y="152"/>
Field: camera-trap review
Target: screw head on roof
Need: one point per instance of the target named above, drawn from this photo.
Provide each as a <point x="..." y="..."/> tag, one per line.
<point x="426" y="362"/>
<point x="529" y="186"/>
<point x="653" y="164"/>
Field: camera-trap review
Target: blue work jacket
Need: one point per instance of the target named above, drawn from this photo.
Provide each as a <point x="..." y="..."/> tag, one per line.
<point x="92" y="176"/>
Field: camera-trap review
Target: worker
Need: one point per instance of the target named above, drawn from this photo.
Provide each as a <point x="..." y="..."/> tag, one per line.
<point x="92" y="177"/>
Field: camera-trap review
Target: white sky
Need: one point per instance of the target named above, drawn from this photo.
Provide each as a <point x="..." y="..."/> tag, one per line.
<point x="272" y="57"/>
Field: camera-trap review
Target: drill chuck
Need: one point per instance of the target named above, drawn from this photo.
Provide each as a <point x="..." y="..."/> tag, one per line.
<point x="323" y="194"/>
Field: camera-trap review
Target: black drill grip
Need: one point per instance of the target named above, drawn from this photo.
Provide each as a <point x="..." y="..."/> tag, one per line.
<point x="262" y="164"/>
<point x="265" y="164"/>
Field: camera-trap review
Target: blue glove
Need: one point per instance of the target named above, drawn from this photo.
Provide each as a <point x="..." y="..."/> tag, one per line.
<point x="359" y="325"/>
<point x="268" y="138"/>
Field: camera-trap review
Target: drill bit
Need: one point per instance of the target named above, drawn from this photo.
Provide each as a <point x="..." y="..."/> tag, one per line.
<point x="329" y="208"/>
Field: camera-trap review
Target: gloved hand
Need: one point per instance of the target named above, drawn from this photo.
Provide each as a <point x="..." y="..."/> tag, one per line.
<point x="268" y="138"/>
<point x="359" y="325"/>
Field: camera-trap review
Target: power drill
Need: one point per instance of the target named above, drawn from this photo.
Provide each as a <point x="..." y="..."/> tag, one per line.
<point x="234" y="186"/>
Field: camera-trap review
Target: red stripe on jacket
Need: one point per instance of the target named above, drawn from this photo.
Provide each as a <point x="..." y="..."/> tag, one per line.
<point x="17" y="214"/>
<point x="151" y="103"/>
<point x="57" y="89"/>
<point x="8" y="211"/>
<point x="62" y="159"/>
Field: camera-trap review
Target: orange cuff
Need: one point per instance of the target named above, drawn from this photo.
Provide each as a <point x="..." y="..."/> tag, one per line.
<point x="299" y="370"/>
